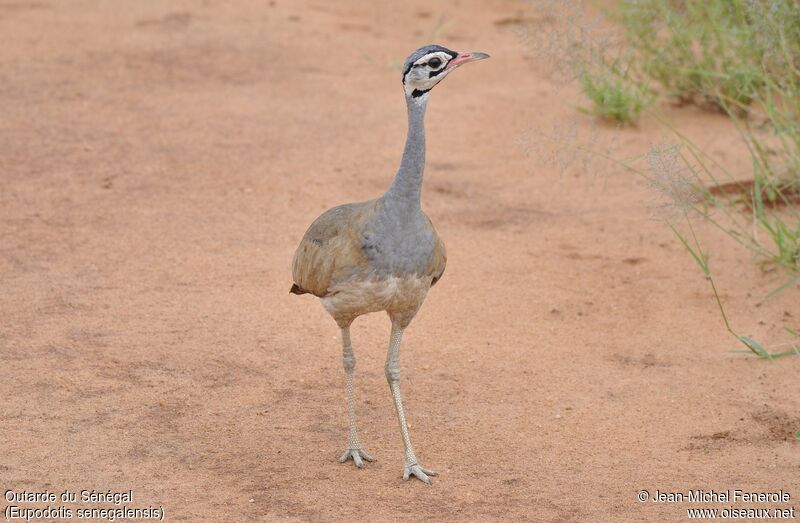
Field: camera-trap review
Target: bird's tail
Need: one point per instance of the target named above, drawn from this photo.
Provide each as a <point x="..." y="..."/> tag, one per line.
<point x="296" y="289"/>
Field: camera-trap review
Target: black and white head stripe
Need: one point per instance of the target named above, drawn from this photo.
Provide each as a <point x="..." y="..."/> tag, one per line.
<point x="416" y="58"/>
<point x="423" y="66"/>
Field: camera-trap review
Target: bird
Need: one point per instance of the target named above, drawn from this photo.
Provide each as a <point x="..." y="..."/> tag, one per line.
<point x="382" y="254"/>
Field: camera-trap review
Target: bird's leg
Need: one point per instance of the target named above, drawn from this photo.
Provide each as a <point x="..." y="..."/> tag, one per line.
<point x="392" y="369"/>
<point x="354" y="449"/>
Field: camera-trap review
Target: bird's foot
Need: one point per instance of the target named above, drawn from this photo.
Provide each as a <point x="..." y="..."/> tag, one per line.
<point x="356" y="455"/>
<point x="412" y="469"/>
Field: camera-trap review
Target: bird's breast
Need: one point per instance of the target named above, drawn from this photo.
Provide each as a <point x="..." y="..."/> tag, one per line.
<point x="402" y="252"/>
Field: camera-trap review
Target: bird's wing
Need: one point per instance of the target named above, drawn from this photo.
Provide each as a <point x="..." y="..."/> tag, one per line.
<point x="330" y="248"/>
<point x="439" y="257"/>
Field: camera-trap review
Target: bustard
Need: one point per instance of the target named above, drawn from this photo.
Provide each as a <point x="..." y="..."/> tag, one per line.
<point x="382" y="254"/>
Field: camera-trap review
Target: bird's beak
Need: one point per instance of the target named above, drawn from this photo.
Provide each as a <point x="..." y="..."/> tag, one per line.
<point x="463" y="58"/>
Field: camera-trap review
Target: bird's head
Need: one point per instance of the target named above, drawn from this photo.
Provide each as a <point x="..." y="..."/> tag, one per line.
<point x="427" y="66"/>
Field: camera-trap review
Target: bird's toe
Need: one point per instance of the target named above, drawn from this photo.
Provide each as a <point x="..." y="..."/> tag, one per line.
<point x="420" y="473"/>
<point x="357" y="455"/>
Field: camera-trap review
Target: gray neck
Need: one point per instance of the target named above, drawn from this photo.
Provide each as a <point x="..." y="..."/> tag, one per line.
<point x="404" y="193"/>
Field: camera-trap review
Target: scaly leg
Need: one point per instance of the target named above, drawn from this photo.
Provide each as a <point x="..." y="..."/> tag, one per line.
<point x="392" y="369"/>
<point x="354" y="449"/>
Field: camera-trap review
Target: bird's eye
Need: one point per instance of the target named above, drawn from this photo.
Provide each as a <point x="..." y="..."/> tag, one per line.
<point x="435" y="62"/>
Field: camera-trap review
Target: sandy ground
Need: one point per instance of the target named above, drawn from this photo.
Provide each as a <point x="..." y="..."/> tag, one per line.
<point x="160" y="162"/>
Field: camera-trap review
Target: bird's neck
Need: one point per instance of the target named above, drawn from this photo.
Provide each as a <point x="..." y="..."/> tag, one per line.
<point x="405" y="192"/>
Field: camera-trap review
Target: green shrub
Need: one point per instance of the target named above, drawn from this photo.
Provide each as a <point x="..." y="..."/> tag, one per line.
<point x="614" y="97"/>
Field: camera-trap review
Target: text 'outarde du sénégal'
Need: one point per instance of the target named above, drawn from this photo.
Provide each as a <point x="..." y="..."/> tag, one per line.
<point x="69" y="496"/>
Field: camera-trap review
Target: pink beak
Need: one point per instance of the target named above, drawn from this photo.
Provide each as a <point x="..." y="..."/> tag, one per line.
<point x="463" y="58"/>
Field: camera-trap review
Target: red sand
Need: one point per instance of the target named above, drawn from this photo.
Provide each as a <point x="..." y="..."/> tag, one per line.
<point x="159" y="165"/>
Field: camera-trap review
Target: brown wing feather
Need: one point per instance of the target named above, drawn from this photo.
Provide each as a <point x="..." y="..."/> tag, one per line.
<point x="330" y="247"/>
<point x="439" y="258"/>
